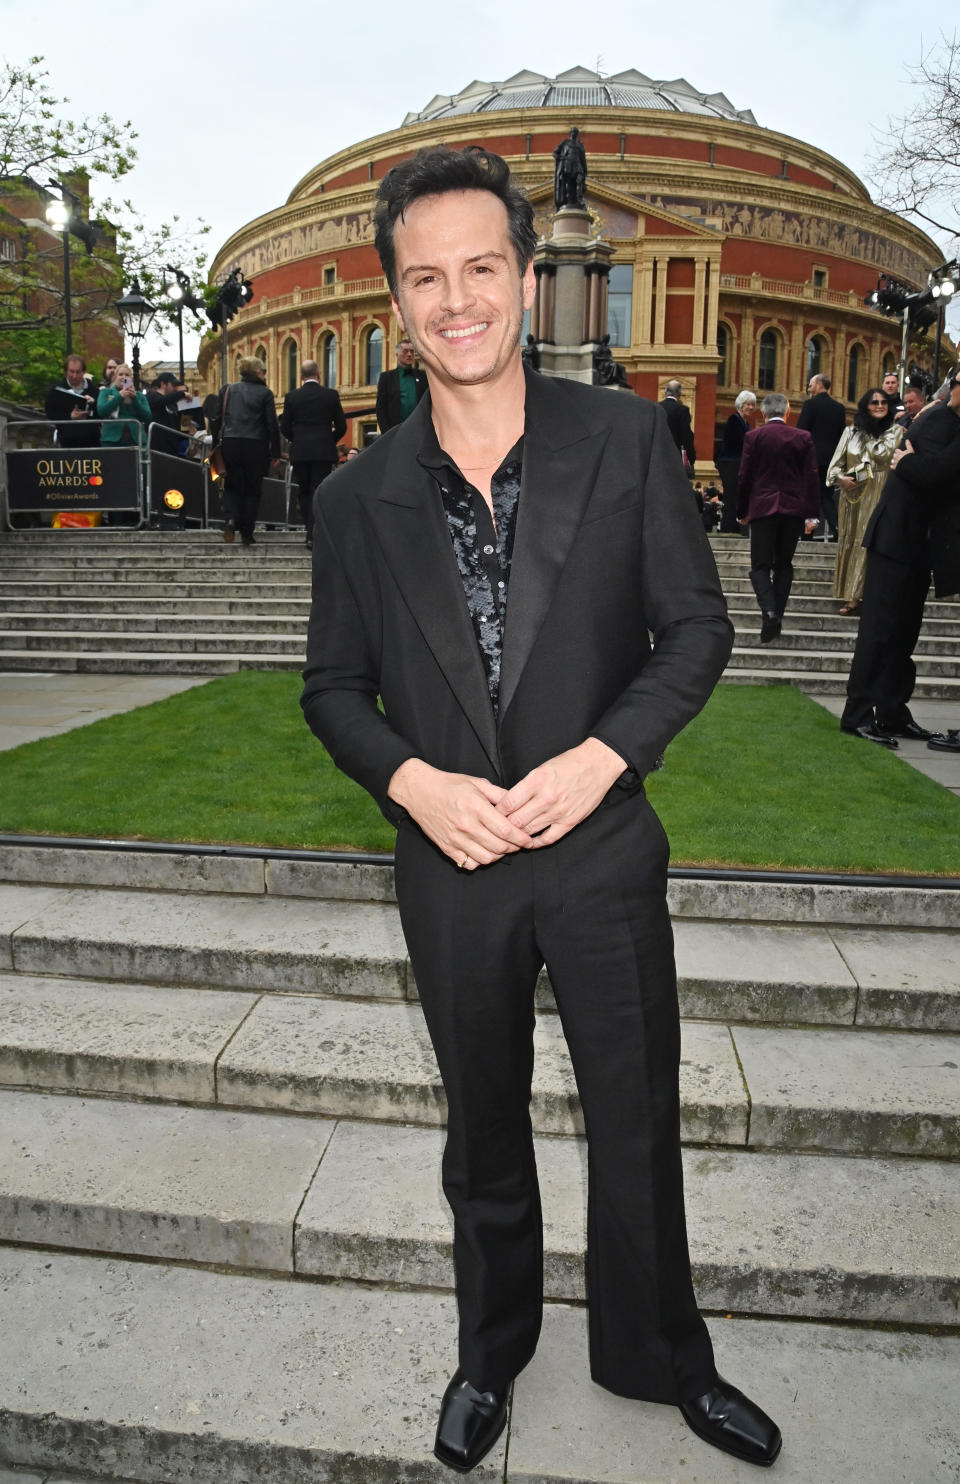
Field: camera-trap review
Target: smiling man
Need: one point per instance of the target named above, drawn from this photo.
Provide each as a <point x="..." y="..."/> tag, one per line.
<point x="491" y="570"/>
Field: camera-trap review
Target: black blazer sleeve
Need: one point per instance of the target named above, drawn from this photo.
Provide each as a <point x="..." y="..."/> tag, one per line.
<point x="384" y="420"/>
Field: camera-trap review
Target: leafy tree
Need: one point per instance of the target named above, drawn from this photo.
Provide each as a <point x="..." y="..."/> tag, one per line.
<point x="37" y="144"/>
<point x="917" y="166"/>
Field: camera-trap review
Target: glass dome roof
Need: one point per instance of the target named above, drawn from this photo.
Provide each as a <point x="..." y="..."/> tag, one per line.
<point x="580" y="88"/>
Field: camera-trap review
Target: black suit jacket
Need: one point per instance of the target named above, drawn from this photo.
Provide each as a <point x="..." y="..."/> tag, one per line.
<point x="608" y="546"/>
<point x="313" y="422"/>
<point x="917" y="519"/>
<point x="389" y="410"/>
<point x="824" y="418"/>
<point x="678" y="418"/>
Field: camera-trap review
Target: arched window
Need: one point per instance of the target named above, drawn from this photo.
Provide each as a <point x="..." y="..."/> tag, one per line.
<point x="816" y="356"/>
<point x="855" y="364"/>
<point x="373" y="356"/>
<point x="889" y="363"/>
<point x="290" y="361"/>
<point x="767" y="362"/>
<point x="327" y="357"/>
<point x="261" y="353"/>
<point x="724" y="350"/>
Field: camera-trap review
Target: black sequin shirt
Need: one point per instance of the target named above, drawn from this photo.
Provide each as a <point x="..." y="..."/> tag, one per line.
<point x="482" y="547"/>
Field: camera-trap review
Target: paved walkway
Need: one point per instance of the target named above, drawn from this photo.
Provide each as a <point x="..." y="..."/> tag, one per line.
<point x="36" y="705"/>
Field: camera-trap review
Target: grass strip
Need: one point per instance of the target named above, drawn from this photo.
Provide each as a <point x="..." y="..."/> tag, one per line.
<point x="763" y="777"/>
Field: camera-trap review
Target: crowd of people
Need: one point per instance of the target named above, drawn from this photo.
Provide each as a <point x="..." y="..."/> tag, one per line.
<point x="883" y="489"/>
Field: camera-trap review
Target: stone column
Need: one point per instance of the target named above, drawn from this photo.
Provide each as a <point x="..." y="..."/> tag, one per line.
<point x="660" y="322"/>
<point x="699" y="299"/>
<point x="571" y="267"/>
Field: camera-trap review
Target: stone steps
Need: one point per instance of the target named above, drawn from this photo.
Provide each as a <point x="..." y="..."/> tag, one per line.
<point x="220" y="1218"/>
<point x="788" y="1235"/>
<point x="799" y="973"/>
<point x="154" y="1373"/>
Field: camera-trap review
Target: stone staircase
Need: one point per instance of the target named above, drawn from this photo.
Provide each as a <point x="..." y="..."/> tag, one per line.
<point x="184" y="603"/>
<point x="224" y="1255"/>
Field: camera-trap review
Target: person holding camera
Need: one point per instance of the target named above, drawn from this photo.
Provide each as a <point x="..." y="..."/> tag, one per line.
<point x="125" y="410"/>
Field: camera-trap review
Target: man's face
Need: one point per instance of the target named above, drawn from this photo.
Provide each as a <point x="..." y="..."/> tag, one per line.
<point x="891" y="384"/>
<point x="109" y="368"/>
<point x="460" y="294"/>
<point x="813" y="386"/>
<point x="912" y="401"/>
<point x="405" y="353"/>
<point x="75" y="373"/>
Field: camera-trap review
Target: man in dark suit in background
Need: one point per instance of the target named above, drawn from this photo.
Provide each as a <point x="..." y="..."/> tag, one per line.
<point x="779" y="490"/>
<point x="678" y="420"/>
<point x="399" y="390"/>
<point x="313" y="422"/>
<point x="490" y="571"/>
<point x="72" y="402"/>
<point x="915" y="526"/>
<point x="824" y="418"/>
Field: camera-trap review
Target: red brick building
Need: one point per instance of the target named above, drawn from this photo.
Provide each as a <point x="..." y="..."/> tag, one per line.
<point x="741" y="256"/>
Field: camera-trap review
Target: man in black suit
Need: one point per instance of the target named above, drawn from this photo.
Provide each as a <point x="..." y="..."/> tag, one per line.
<point x="72" y="402"/>
<point x="824" y="418"/>
<point x="490" y="571"/>
<point x="312" y="421"/>
<point x="399" y="390"/>
<point x="915" y="526"/>
<point x="678" y="420"/>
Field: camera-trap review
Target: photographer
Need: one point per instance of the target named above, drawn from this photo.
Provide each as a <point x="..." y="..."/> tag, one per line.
<point x="72" y="403"/>
<point x="164" y="398"/>
<point x="125" y="410"/>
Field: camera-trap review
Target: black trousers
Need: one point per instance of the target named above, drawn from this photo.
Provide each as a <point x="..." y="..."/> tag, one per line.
<point x="882" y="673"/>
<point x="309" y="473"/>
<point x="773" y="541"/>
<point x="828" y="503"/>
<point x="246" y="460"/>
<point x="729" y="471"/>
<point x="593" y="907"/>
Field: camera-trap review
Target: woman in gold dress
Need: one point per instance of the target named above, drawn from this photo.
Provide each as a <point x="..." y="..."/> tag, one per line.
<point x="860" y="465"/>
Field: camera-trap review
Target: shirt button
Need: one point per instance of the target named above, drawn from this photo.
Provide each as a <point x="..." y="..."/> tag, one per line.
<point x="488" y="551"/>
<point x="501" y="584"/>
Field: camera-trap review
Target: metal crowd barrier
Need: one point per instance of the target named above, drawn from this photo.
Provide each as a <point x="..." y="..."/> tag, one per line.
<point x="47" y="476"/>
<point x="167" y="478"/>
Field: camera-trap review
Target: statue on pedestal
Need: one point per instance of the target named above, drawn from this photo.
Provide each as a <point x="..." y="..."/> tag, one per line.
<point x="607" y="371"/>
<point x="570" y="171"/>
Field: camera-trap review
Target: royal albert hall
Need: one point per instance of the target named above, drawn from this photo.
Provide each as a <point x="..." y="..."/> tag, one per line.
<point x="741" y="257"/>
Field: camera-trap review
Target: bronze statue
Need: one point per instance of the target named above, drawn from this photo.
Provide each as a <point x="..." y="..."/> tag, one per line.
<point x="570" y="171"/>
<point x="607" y="371"/>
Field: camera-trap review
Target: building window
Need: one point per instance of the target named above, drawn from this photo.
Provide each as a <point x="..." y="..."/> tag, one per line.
<point x="816" y="356"/>
<point x="620" y="303"/>
<point x="854" y="372"/>
<point x="889" y="362"/>
<point x="723" y="350"/>
<point x="373" y="356"/>
<point x="329" y="275"/>
<point x="819" y="278"/>
<point x="291" y="367"/>
<point x="8" y="250"/>
<point x="328" y="359"/>
<point x="767" y="362"/>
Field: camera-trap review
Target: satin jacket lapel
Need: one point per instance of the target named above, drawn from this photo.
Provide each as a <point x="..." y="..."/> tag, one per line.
<point x="561" y="455"/>
<point x="413" y="532"/>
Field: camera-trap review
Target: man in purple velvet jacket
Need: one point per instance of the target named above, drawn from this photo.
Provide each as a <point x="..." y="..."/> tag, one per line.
<point x="779" y="490"/>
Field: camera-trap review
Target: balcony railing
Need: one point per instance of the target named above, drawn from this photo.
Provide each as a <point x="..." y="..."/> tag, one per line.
<point x="783" y="288"/>
<point x="344" y="288"/>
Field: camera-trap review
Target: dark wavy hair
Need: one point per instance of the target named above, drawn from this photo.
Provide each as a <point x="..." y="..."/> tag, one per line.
<point x="863" y="420"/>
<point x="434" y="172"/>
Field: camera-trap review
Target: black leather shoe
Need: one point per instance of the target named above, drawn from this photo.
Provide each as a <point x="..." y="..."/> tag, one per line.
<point x="870" y="732"/>
<point x="908" y="728"/>
<point x="945" y="741"/>
<point x="729" y="1420"/>
<point x="470" y="1423"/>
<point x="770" y="628"/>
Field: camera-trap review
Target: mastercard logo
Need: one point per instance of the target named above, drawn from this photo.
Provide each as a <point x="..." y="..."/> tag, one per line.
<point x="95" y="479"/>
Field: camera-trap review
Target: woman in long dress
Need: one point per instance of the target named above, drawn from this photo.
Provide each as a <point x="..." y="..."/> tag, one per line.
<point x="860" y="465"/>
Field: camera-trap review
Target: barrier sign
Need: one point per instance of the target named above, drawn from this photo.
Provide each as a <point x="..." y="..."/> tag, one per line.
<point x="72" y="479"/>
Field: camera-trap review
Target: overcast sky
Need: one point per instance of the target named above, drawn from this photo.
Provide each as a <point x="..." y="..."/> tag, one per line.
<point x="233" y="103"/>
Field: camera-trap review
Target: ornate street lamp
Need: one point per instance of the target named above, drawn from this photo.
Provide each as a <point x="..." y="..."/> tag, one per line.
<point x="58" y="214"/>
<point x="136" y="315"/>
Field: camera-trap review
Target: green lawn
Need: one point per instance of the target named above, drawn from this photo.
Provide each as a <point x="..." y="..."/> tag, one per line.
<point x="762" y="778"/>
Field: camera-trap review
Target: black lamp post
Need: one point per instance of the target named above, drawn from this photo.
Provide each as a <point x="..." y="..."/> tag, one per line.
<point x="136" y="315"/>
<point x="183" y="298"/>
<point x="58" y="215"/>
